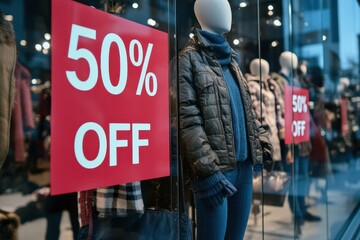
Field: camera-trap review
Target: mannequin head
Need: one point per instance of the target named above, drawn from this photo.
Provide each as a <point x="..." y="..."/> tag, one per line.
<point x="303" y="67"/>
<point x="213" y="15"/>
<point x="343" y="85"/>
<point x="258" y="65"/>
<point x="288" y="62"/>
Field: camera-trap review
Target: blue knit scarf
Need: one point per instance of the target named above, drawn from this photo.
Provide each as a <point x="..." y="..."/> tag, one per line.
<point x="220" y="46"/>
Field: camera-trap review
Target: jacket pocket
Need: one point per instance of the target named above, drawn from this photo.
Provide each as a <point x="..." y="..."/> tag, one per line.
<point x="206" y="89"/>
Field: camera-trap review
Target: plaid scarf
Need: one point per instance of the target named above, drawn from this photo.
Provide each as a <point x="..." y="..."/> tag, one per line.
<point x="114" y="201"/>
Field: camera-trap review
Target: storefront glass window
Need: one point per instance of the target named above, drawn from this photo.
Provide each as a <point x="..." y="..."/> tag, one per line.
<point x="299" y="73"/>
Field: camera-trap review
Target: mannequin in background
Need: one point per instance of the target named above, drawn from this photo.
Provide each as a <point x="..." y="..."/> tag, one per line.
<point x="220" y="138"/>
<point x="295" y="157"/>
<point x="288" y="63"/>
<point x="268" y="104"/>
<point x="7" y="83"/>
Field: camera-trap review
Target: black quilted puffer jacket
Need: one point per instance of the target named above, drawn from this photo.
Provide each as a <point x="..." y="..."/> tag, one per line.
<point x="206" y="134"/>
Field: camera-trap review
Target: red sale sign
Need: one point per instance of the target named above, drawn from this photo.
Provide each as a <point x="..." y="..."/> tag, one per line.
<point x="110" y="100"/>
<point x="297" y="115"/>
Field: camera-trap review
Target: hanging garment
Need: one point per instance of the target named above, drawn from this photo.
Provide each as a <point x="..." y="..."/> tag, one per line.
<point x="22" y="113"/>
<point x="7" y="83"/>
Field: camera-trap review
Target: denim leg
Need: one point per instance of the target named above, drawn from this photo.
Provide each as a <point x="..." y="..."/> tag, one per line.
<point x="239" y="204"/>
<point x="210" y="222"/>
<point x="304" y="178"/>
<point x="299" y="188"/>
<point x="228" y="220"/>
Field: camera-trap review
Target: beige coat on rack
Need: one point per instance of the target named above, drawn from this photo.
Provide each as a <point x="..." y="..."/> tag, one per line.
<point x="7" y="83"/>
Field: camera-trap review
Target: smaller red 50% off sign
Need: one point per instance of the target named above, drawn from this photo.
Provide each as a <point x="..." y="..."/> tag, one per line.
<point x="297" y="116"/>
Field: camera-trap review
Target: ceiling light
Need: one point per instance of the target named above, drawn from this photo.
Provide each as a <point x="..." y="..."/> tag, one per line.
<point x="323" y="37"/>
<point x="270" y="13"/>
<point x="151" y="22"/>
<point x="274" y="43"/>
<point x="46" y="45"/>
<point x="243" y="4"/>
<point x="277" y="23"/>
<point x="23" y="43"/>
<point x="135" y="5"/>
<point x="47" y="36"/>
<point x="270" y="7"/>
<point x="38" y="47"/>
<point x="236" y="41"/>
<point x="191" y="35"/>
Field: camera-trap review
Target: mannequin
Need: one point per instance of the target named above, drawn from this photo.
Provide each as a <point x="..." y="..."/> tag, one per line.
<point x="259" y="69"/>
<point x="295" y="158"/>
<point x="216" y="126"/>
<point x="288" y="62"/>
<point x="7" y="83"/>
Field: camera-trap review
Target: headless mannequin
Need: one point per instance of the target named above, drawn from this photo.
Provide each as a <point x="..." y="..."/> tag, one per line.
<point x="227" y="219"/>
<point x="298" y="159"/>
<point x="260" y="68"/>
<point x="288" y="62"/>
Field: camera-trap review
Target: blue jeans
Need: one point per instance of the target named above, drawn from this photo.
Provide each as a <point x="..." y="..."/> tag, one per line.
<point x="299" y="185"/>
<point x="228" y="220"/>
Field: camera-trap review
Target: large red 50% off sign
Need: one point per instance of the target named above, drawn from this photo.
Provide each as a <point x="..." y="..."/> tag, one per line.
<point x="144" y="82"/>
<point x="297" y="115"/>
<point x="110" y="116"/>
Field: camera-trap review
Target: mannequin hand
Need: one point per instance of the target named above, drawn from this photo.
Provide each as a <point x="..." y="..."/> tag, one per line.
<point x="213" y="189"/>
<point x="218" y="198"/>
